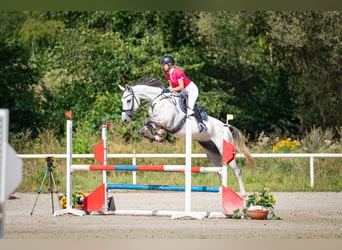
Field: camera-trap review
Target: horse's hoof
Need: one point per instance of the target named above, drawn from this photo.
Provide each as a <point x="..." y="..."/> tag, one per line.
<point x="142" y="130"/>
<point x="161" y="132"/>
<point x="159" y="139"/>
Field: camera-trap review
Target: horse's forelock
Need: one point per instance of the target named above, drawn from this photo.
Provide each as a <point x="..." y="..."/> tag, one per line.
<point x="153" y="82"/>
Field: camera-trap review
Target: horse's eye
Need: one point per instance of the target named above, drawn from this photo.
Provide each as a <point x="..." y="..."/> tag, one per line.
<point x="128" y="101"/>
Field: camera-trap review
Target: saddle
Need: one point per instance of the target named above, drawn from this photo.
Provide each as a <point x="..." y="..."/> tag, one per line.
<point x="183" y="104"/>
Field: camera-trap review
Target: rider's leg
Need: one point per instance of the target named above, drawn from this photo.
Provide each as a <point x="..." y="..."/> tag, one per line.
<point x="201" y="126"/>
<point x="192" y="91"/>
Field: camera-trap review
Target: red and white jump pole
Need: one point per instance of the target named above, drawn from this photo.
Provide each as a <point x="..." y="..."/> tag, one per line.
<point x="145" y="168"/>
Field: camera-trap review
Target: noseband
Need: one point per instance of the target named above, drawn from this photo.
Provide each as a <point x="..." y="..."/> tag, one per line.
<point x="130" y="111"/>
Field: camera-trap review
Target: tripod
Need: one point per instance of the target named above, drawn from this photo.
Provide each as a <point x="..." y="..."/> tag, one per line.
<point x="48" y="171"/>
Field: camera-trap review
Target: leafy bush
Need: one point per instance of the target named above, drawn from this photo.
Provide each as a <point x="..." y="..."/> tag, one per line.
<point x="285" y="146"/>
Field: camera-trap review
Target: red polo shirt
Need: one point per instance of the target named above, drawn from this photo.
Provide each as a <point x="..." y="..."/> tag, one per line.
<point x="176" y="75"/>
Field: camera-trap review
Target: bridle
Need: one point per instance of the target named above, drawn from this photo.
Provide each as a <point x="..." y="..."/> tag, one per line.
<point x="130" y="111"/>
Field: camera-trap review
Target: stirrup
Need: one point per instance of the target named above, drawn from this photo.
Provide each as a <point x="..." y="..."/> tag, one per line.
<point x="201" y="127"/>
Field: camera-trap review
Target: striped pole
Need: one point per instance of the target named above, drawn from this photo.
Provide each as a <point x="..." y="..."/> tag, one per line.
<point x="146" y="168"/>
<point x="163" y="187"/>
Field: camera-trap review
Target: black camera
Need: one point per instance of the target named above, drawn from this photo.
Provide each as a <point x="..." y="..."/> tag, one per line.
<point x="49" y="162"/>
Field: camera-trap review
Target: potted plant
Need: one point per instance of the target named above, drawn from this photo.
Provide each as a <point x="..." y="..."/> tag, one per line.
<point x="260" y="204"/>
<point x="77" y="199"/>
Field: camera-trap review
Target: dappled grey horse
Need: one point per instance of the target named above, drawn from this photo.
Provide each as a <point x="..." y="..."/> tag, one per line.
<point x="166" y="115"/>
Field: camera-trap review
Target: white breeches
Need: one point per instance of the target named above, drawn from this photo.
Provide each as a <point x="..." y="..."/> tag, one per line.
<point x="192" y="92"/>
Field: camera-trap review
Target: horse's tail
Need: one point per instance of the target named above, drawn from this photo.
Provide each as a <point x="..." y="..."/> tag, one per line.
<point x="239" y="142"/>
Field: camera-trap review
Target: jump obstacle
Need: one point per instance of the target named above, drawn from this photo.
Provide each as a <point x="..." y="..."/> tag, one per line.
<point x="101" y="193"/>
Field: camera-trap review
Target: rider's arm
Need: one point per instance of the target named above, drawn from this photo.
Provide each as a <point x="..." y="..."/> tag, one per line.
<point x="179" y="87"/>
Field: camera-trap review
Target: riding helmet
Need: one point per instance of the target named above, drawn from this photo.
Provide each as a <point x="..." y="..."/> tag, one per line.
<point x="166" y="60"/>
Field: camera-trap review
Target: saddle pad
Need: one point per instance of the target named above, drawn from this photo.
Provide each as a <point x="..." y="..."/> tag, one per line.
<point x="181" y="102"/>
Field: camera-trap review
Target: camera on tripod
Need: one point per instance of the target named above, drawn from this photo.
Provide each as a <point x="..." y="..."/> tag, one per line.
<point x="51" y="181"/>
<point x="49" y="162"/>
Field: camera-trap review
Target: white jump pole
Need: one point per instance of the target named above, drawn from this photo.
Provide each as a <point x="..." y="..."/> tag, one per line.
<point x="134" y="162"/>
<point x="68" y="164"/>
<point x="105" y="162"/>
<point x="224" y="166"/>
<point x="188" y="144"/>
<point x="225" y="137"/>
<point x="69" y="209"/>
<point x="188" y="166"/>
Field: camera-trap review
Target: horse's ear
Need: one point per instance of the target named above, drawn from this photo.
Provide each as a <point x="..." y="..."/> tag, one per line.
<point x="122" y="88"/>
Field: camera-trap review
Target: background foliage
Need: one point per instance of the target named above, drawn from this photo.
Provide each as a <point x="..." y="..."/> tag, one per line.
<point x="277" y="72"/>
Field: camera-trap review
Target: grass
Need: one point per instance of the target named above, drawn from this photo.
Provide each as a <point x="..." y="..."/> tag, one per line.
<point x="277" y="174"/>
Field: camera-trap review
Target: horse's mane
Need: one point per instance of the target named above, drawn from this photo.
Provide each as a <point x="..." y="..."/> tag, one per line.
<point x="152" y="82"/>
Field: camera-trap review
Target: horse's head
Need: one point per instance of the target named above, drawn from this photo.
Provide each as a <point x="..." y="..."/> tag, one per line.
<point x="130" y="103"/>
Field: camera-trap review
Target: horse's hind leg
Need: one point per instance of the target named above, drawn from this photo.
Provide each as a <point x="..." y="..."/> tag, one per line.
<point x="238" y="174"/>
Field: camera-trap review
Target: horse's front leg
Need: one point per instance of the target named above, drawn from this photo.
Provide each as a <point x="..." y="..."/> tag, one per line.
<point x="238" y="174"/>
<point x="144" y="131"/>
<point x="156" y="134"/>
<point x="151" y="126"/>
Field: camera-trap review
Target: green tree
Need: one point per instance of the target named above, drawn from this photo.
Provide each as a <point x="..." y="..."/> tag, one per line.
<point x="308" y="45"/>
<point x="18" y="79"/>
<point x="239" y="59"/>
<point x="288" y="61"/>
<point x="19" y="76"/>
<point x="275" y="71"/>
<point x="92" y="58"/>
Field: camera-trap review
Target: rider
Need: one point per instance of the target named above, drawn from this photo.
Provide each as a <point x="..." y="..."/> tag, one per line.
<point x="180" y="82"/>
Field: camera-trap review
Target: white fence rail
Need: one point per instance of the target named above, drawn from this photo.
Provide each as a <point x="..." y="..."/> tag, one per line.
<point x="310" y="156"/>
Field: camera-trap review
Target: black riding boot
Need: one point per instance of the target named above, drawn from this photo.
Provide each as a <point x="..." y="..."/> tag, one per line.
<point x="201" y="126"/>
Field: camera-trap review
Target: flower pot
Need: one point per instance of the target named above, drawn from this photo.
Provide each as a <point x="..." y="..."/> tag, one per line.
<point x="257" y="214"/>
<point x="79" y="207"/>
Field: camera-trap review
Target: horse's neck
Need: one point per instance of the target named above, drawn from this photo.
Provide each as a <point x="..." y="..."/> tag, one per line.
<point x="147" y="93"/>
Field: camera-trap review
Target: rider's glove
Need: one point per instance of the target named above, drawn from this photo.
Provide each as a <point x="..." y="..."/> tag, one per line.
<point x="166" y="90"/>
